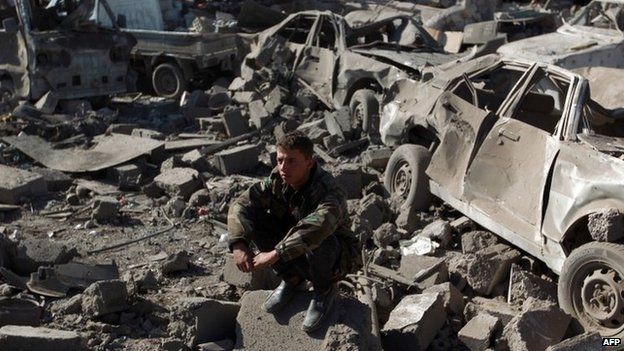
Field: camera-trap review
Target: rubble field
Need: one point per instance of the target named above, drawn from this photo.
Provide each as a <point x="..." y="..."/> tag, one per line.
<point x="113" y="210"/>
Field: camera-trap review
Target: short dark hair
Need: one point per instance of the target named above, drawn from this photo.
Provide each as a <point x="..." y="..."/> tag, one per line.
<point x="297" y="140"/>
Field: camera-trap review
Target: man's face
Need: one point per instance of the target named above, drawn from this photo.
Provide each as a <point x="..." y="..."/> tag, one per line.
<point x="294" y="167"/>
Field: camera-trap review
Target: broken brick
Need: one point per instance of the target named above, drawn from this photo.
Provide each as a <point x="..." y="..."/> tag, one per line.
<point x="179" y="182"/>
<point x="237" y="159"/>
<point x="24" y="338"/>
<point x="478" y="332"/>
<point x="105" y="297"/>
<point x="235" y="123"/>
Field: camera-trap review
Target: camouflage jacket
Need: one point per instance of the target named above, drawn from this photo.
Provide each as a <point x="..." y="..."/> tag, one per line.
<point x="322" y="211"/>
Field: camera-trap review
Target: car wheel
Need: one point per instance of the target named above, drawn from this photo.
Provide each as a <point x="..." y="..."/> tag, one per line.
<point x="364" y="113"/>
<point x="168" y="81"/>
<point x="591" y="287"/>
<point x="405" y="176"/>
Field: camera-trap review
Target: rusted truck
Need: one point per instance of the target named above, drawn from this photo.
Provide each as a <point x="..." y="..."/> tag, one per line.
<point x="59" y="49"/>
<point x="523" y="150"/>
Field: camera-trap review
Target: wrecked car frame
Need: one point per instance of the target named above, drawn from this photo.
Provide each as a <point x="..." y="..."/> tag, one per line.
<point x="522" y="150"/>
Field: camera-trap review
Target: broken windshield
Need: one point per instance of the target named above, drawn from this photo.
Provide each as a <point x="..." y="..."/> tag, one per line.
<point x="64" y="14"/>
<point x="603" y="15"/>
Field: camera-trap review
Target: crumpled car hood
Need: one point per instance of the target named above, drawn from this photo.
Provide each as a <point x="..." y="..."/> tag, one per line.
<point x="414" y="60"/>
<point x="608" y="145"/>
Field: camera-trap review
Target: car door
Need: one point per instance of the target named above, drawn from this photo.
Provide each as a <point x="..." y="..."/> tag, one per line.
<point x="508" y="175"/>
<point x="318" y="59"/>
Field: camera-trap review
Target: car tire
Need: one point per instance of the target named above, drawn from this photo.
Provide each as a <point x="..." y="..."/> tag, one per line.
<point x="591" y="287"/>
<point x="405" y="176"/>
<point x="364" y="108"/>
<point x="168" y="81"/>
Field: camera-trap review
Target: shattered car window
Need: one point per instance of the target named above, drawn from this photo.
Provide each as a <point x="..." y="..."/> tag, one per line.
<point x="596" y="120"/>
<point x="601" y="14"/>
<point x="492" y="87"/>
<point x="390" y="32"/>
<point x="297" y="30"/>
<point x="326" y="36"/>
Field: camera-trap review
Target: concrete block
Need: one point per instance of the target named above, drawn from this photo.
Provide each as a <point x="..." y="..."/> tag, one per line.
<point x="147" y="133"/>
<point x="414" y="322"/>
<point x="275" y="99"/>
<point x="489" y="267"/>
<point x="221" y="345"/>
<point x="235" y="123"/>
<point x="438" y="230"/>
<point x="237" y="159"/>
<point x="414" y="264"/>
<point x="477" y="240"/>
<point x="23" y="338"/>
<point x="284" y="127"/>
<point x="239" y="84"/>
<point x="451" y="296"/>
<point x="197" y="320"/>
<point x="584" y="342"/>
<point x="181" y="182"/>
<point x="55" y="180"/>
<point x="478" y="332"/>
<point x="606" y="226"/>
<point x="540" y="325"/>
<point x="262" y="279"/>
<point x="105" y="209"/>
<point x="200" y="198"/>
<point x="218" y="100"/>
<point x="121" y="128"/>
<point x="196" y="160"/>
<point x="128" y="176"/>
<point x="385" y="235"/>
<point x="377" y="158"/>
<point x="317" y="134"/>
<point x="346" y="328"/>
<point x="31" y="253"/>
<point x="16" y="184"/>
<point x="524" y="285"/>
<point x="497" y="308"/>
<point x="258" y="115"/>
<point x="245" y="97"/>
<point x="332" y="141"/>
<point x="305" y="99"/>
<point x="349" y="178"/>
<point x="104" y="297"/>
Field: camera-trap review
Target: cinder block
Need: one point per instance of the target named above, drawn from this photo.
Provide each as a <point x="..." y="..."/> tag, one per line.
<point x="55" y="180"/>
<point x="179" y="181"/>
<point x="497" y="308"/>
<point x="451" y="296"/>
<point x="258" y="115"/>
<point x="23" y="338"/>
<point x="543" y="316"/>
<point x="262" y="279"/>
<point x="490" y="266"/>
<point x="237" y="159"/>
<point x="377" y="158"/>
<point x="477" y="333"/>
<point x="16" y="183"/>
<point x="584" y="342"/>
<point x="413" y="264"/>
<point x="235" y="123"/>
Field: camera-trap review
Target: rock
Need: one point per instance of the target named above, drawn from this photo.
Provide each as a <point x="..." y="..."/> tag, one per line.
<point x="121" y="128"/>
<point x="237" y="159"/>
<point x="174" y="345"/>
<point x="175" y="206"/>
<point x="257" y="280"/>
<point x="386" y="235"/>
<point x="31" y="253"/>
<point x="16" y="184"/>
<point x="374" y="209"/>
<point x="497" y="308"/>
<point x="245" y="97"/>
<point x="338" y="122"/>
<point x="408" y="219"/>
<point x="284" y="127"/>
<point x="197" y="320"/>
<point x="526" y="284"/>
<point x="606" y="226"/>
<point x="104" y="297"/>
<point x="23" y="338"/>
<point x="478" y="332"/>
<point x="179" y="261"/>
<point x="377" y="158"/>
<point x="128" y="176"/>
<point x="414" y="322"/>
<point x="258" y="115"/>
<point x="152" y="190"/>
<point x="439" y="230"/>
<point x="451" y="297"/>
<point x="274" y="100"/>
<point x="235" y="123"/>
<point x="490" y="266"/>
<point x="72" y="305"/>
<point x="585" y="342"/>
<point x="462" y="223"/>
<point x="200" y="198"/>
<point x="140" y="280"/>
<point x="346" y="328"/>
<point x="196" y="160"/>
<point x="540" y="325"/>
<point x="55" y="180"/>
<point x="221" y="345"/>
<point x="181" y="182"/>
<point x="477" y="240"/>
<point x="105" y="209"/>
<point x="411" y="265"/>
<point x="349" y="178"/>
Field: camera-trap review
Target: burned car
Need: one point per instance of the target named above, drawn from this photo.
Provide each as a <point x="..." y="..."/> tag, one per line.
<point x="524" y="151"/>
<point x="593" y="37"/>
<point x="57" y="47"/>
<point x="347" y="66"/>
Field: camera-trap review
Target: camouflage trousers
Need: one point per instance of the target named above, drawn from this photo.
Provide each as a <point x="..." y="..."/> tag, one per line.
<point x="318" y="266"/>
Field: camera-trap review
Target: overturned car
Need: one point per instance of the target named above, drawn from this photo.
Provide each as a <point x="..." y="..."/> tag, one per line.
<point x="524" y="151"/>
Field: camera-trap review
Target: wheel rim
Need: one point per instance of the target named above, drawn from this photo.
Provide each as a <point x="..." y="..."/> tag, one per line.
<point x="402" y="180"/>
<point x="167" y="82"/>
<point x="599" y="302"/>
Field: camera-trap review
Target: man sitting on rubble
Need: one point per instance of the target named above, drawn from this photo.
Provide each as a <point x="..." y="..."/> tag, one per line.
<point x="296" y="220"/>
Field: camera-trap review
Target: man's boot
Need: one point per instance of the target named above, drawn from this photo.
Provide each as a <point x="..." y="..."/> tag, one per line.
<point x="320" y="307"/>
<point x="279" y="297"/>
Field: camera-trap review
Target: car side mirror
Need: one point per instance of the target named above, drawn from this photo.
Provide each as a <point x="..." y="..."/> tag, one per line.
<point x="122" y="21"/>
<point x="10" y="25"/>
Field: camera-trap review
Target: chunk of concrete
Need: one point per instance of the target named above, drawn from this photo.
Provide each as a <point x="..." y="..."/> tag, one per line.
<point x="16" y="184"/>
<point x="377" y="158"/>
<point x="179" y="181"/>
<point x="338" y="122"/>
<point x="490" y="266"/>
<point x="196" y="160"/>
<point x="237" y="159"/>
<point x="411" y="265"/>
<point x="438" y="230"/>
<point x="55" y="180"/>
<point x="374" y="208"/>
<point x="385" y="235"/>
<point x="128" y="176"/>
<point x="451" y="296"/>
<point x="245" y="97"/>
<point x="478" y="332"/>
<point x="414" y="322"/>
<point x="31" y="253"/>
<point x="524" y="285"/>
<point x="590" y="341"/>
<point x="477" y="240"/>
<point x="105" y="209"/>
<point x="197" y="320"/>
<point x="497" y="308"/>
<point x="221" y="345"/>
<point x="275" y="99"/>
<point x="349" y="178"/>
<point x="347" y="327"/>
<point x="23" y="338"/>
<point x="284" y="127"/>
<point x="121" y="128"/>
<point x="540" y="325"/>
<point x="200" y="198"/>
<point x="259" y="279"/>
<point x="235" y="123"/>
<point x="147" y="133"/>
<point x="606" y="225"/>
<point x="258" y="115"/>
<point x="105" y="297"/>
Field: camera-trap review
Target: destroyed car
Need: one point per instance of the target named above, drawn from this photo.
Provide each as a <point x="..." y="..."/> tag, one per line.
<point x="59" y="48"/>
<point x="524" y="151"/>
<point x="593" y="37"/>
<point x="346" y="66"/>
